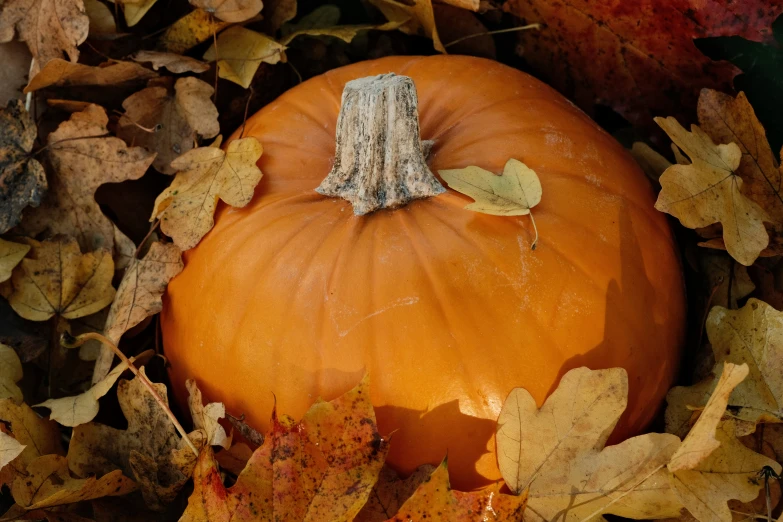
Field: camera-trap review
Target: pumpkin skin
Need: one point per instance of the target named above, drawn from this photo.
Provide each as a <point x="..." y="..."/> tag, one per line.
<point x="447" y="309"/>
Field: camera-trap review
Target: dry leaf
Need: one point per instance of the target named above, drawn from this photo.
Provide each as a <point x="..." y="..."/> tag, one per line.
<point x="11" y="254"/>
<point x="57" y="278"/>
<point x="389" y="493"/>
<point x="321" y="468"/>
<point x="323" y="22"/>
<point x="558" y="453"/>
<point x="207" y="417"/>
<point x="138" y="296"/>
<point x="234" y="459"/>
<point x="10" y="374"/>
<point x="276" y="13"/>
<point x="61" y="73"/>
<point x="101" y="19"/>
<point x="232" y="11"/>
<point x="84" y="157"/>
<point x="416" y="17"/>
<point x="22" y="178"/>
<point x="150" y="450"/>
<point x="15" y="58"/>
<point x="175" y="63"/>
<point x="473" y="5"/>
<point x="10" y="448"/>
<point x="169" y="123"/>
<point x="39" y="436"/>
<point x="205" y="175"/>
<point x="48" y="483"/>
<point x="709" y="191"/>
<point x="652" y="163"/>
<point x="135" y="11"/>
<point x="192" y="29"/>
<point x="727" y="280"/>
<point x="239" y="52"/>
<point x="50" y="28"/>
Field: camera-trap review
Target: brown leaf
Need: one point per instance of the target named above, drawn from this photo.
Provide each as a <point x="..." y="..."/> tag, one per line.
<point x="10" y="374"/>
<point x="22" y="178"/>
<point x="61" y="73"/>
<point x="169" y="123"/>
<point x="56" y="278"/>
<point x="84" y="157"/>
<point x="235" y="458"/>
<point x="192" y="29"/>
<point x="51" y="28"/>
<point x="727" y="280"/>
<point x="390" y="493"/>
<point x="11" y="254"/>
<point x="276" y="13"/>
<point x="175" y="63"/>
<point x="416" y="17"/>
<point x="101" y="19"/>
<point x="232" y="11"/>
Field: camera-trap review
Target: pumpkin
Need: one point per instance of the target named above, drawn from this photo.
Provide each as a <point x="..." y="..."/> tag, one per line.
<point x="295" y="297"/>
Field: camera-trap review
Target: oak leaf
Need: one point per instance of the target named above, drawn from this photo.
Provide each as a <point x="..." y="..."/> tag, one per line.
<point x="205" y="175"/>
<point x="192" y="29"/>
<point x="416" y="17"/>
<point x="61" y="73"/>
<point x="175" y="63"/>
<point x="390" y="493"/>
<point x="206" y="417"/>
<point x="239" y="53"/>
<point x="709" y="191"/>
<point x="22" y="177"/>
<point x="10" y="374"/>
<point x="11" y="254"/>
<point x="232" y="11"/>
<point x="320" y="468"/>
<point x="57" y="279"/>
<point x="169" y="123"/>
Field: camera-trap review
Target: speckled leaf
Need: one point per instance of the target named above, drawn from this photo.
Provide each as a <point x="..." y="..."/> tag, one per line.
<point x="189" y="31"/>
<point x="39" y="436"/>
<point x="391" y="492"/>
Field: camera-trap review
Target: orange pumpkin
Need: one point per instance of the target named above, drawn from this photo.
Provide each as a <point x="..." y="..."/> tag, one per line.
<point x="447" y="309"/>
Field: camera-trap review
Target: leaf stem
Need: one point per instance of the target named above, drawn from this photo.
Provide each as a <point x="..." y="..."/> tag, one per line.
<point x="489" y="33"/>
<point x="535" y="228"/>
<point x="69" y="341"/>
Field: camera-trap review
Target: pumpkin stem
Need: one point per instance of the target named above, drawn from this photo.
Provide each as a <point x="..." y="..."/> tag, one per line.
<point x="379" y="160"/>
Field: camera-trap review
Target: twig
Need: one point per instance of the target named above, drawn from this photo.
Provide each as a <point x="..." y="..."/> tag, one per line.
<point x="70" y="341"/>
<point x="489" y="33"/>
<point x="247" y="106"/>
<point x="535" y="228"/>
<point x="29" y="99"/>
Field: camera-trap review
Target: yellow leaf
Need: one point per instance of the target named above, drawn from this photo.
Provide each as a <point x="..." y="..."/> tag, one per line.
<point x="709" y="191"/>
<point x="207" y="417"/>
<point x="389" y="493"/>
<point x="10" y="374"/>
<point x="10" y="448"/>
<point x="205" y="175"/>
<point x="416" y="17"/>
<point x="11" y="254"/>
<point x="39" y="436"/>
<point x="232" y="11"/>
<point x="652" y="163"/>
<point x="189" y="31"/>
<point x="239" y="53"/>
<point x="61" y="73"/>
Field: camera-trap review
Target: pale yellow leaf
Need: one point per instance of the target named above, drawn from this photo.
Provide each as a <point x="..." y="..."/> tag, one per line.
<point x="239" y="52"/>
<point x="232" y="11"/>
<point x="207" y="417"/>
<point x="192" y="29"/>
<point x="416" y="17"/>
<point x="10" y="374"/>
<point x="10" y="448"/>
<point x="39" y="436"/>
<point x="11" y="254"/>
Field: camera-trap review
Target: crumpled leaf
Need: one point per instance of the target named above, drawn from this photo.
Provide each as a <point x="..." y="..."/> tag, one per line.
<point x="169" y="123"/>
<point x="10" y="374"/>
<point x="232" y="11"/>
<point x="752" y="335"/>
<point x="727" y="280"/>
<point x="139" y="296"/>
<point x="558" y="453"/>
<point x="10" y="448"/>
<point x="56" y="278"/>
<point x="205" y="175"/>
<point x="709" y="191"/>
<point x="150" y="450"/>
<point x="22" y="177"/>
<point x="11" y="254"/>
<point x="61" y="73"/>
<point x="321" y="468"/>
<point x="82" y="162"/>
<point x="39" y="436"/>
<point x="207" y="417"/>
<point x="175" y="63"/>
<point x="49" y="27"/>
<point x="239" y="53"/>
<point x="192" y="29"/>
<point x="48" y="483"/>
<point x="389" y="493"/>
<point x="416" y="17"/>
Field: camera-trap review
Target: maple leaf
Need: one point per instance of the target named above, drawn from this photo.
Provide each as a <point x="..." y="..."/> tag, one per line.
<point x="321" y="468"/>
<point x="49" y="27"/>
<point x="390" y="493"/>
<point x="709" y="191"/>
<point x="232" y="11"/>
<point x="61" y="73"/>
<point x="416" y="17"/>
<point x="150" y="450"/>
<point x="192" y="29"/>
<point x="38" y="436"/>
<point x="239" y="53"/>
<point x="207" y="417"/>
<point x="175" y="63"/>
<point x="57" y="278"/>
<point x="22" y="178"/>
<point x="11" y="254"/>
<point x="638" y="57"/>
<point x="176" y="119"/>
<point x="83" y="158"/>
<point x="10" y="374"/>
<point x="207" y="174"/>
<point x="727" y="280"/>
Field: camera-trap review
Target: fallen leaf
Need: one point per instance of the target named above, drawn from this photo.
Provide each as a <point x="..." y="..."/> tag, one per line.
<point x="232" y="11"/>
<point x="390" y="493"/>
<point x="38" y="436"/>
<point x="323" y="22"/>
<point x="135" y="11"/>
<point x="709" y="191"/>
<point x="58" y="279"/>
<point x="239" y="52"/>
<point x="435" y="500"/>
<point x="462" y="32"/>
<point x="69" y="106"/>
<point x="234" y="459"/>
<point x="557" y="453"/>
<point x="11" y="254"/>
<point x="175" y="63"/>
<point x="61" y="73"/>
<point x="321" y="468"/>
<point x="727" y="280"/>
<point x="48" y="483"/>
<point x="192" y="29"/>
<point x="416" y="17"/>
<point x="207" y="417"/>
<point x="22" y="178"/>
<point x="276" y="13"/>
<point x="205" y="175"/>
<point x="10" y="448"/>
<point x="30" y="339"/>
<point x="169" y="123"/>
<point x="473" y="5"/>
<point x="10" y="374"/>
<point x="150" y="450"/>
<point x="50" y="28"/>
<point x="83" y="157"/>
<point x="139" y="296"/>
<point x="770" y="285"/>
<point x="15" y="58"/>
<point x="652" y="163"/>
<point x="101" y="18"/>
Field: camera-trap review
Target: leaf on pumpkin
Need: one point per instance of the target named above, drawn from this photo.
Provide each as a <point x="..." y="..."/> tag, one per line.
<point x="232" y="11"/>
<point x="56" y="278"/>
<point x="11" y="254"/>
<point x="389" y="493"/>
<point x="150" y="450"/>
<point x="169" y="123"/>
<point x="61" y="73"/>
<point x="102" y="23"/>
<point x="22" y="177"/>
<point x="39" y="436"/>
<point x="709" y="191"/>
<point x="416" y="17"/>
<point x="84" y="157"/>
<point x="192" y="29"/>
<point x="139" y="296"/>
<point x="50" y="28"/>
<point x="727" y="280"/>
<point x="175" y="63"/>
<point x="10" y="374"/>
<point x="321" y="468"/>
<point x="557" y="453"/>
<point x="207" y="417"/>
<point x="205" y="175"/>
<point x="239" y="53"/>
<point x="10" y="448"/>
